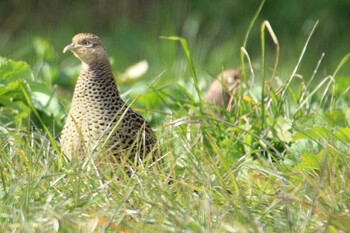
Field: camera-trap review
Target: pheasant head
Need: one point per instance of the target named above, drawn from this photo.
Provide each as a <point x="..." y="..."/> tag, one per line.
<point x="88" y="48"/>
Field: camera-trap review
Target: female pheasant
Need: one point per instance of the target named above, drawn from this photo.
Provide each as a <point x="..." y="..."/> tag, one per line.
<point x="99" y="121"/>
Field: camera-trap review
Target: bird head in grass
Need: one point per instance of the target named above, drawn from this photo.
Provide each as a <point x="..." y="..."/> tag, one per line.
<point x="224" y="87"/>
<point x="88" y="48"/>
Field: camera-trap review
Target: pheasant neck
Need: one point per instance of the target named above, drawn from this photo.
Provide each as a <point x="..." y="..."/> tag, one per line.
<point x="97" y="73"/>
<point x="93" y="80"/>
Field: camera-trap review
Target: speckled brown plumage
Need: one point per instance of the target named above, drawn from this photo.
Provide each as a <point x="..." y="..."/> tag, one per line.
<point x="223" y="88"/>
<point x="99" y="119"/>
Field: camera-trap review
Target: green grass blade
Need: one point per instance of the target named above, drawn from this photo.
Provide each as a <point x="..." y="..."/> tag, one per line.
<point x="189" y="60"/>
<point x="252" y="22"/>
<point x="26" y="94"/>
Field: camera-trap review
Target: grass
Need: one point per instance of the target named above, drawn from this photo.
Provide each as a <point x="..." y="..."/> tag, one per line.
<point x="278" y="162"/>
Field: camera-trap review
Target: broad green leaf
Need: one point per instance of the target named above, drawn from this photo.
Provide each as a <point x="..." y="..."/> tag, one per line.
<point x="343" y="134"/>
<point x="310" y="161"/>
<point x="283" y="129"/>
<point x="313" y="133"/>
<point x="12" y="70"/>
<point x="336" y="118"/>
<point x="302" y="146"/>
<point x="12" y="86"/>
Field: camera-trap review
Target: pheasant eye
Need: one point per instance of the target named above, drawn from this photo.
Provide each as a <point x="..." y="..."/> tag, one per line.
<point x="88" y="44"/>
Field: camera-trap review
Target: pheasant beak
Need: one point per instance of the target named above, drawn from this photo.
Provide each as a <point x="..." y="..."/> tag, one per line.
<point x="68" y="48"/>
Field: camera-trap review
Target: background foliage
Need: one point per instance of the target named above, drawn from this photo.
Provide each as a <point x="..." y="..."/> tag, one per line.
<point x="131" y="29"/>
<point x="36" y="31"/>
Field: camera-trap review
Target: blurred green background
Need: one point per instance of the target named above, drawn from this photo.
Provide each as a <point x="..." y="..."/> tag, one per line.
<point x="36" y="31"/>
<point x="214" y="29"/>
